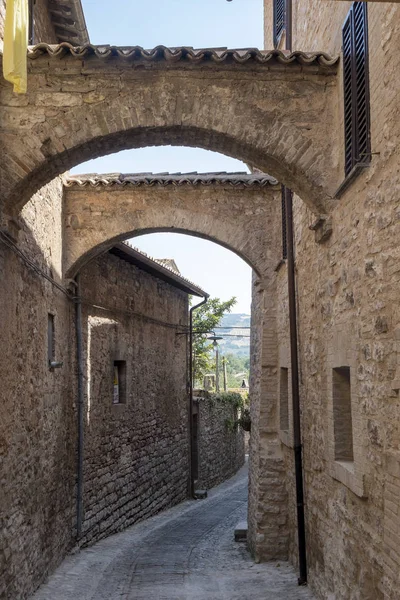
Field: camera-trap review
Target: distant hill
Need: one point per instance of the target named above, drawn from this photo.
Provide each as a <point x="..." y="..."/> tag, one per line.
<point x="235" y="345"/>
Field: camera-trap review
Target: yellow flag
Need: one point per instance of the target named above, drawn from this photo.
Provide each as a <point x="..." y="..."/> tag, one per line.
<point x="16" y="44"/>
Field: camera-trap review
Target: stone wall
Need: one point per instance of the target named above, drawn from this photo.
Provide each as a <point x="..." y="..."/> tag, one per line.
<point x="220" y="448"/>
<point x="37" y="423"/>
<point x="136" y="457"/>
<point x="348" y="314"/>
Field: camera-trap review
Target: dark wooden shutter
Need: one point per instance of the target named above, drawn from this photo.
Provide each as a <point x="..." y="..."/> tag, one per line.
<point x="356" y="87"/>
<point x="31" y="4"/>
<point x="279" y="20"/>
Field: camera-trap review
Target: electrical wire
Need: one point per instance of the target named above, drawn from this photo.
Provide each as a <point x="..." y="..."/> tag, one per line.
<point x="8" y="242"/>
<point x="136" y="314"/>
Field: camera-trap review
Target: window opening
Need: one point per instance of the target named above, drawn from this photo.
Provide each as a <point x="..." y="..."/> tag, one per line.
<point x="342" y="417"/>
<point x="356" y="87"/>
<point x="284" y="399"/>
<point x="119" y="382"/>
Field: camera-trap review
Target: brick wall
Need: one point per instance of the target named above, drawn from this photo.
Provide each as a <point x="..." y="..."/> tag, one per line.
<point x="136" y="456"/>
<point x="220" y="449"/>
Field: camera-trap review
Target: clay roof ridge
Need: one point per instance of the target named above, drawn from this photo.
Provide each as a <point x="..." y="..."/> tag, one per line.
<point x="185" y="53"/>
<point x="165" y="179"/>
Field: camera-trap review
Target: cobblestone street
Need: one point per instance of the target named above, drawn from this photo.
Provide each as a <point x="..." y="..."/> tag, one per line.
<point x="185" y="553"/>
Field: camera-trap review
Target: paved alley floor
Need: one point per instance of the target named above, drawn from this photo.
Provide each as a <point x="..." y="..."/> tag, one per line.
<point x="185" y="553"/>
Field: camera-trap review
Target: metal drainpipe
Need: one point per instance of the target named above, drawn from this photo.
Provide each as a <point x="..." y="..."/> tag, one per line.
<point x="191" y="382"/>
<point x="298" y="461"/>
<point x="79" y="355"/>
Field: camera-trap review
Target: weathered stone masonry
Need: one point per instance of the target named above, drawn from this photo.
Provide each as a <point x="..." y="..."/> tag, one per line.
<point x="283" y="115"/>
<point x="37" y="420"/>
<point x="220" y="445"/>
<point x="269" y="110"/>
<point x="235" y="210"/>
<point x="136" y="456"/>
<point x="348" y="314"/>
<point x="241" y="212"/>
<point x="111" y="499"/>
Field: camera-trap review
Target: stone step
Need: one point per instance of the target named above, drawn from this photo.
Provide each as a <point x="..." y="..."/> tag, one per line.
<point x="241" y="531"/>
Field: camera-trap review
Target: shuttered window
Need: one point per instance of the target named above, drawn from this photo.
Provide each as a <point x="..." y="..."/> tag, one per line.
<point x="356" y="87"/>
<point x="31" y="40"/>
<point x="279" y="20"/>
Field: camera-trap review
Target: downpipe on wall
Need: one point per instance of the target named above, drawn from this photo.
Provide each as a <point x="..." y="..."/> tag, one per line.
<point x="191" y="384"/>
<point x="79" y="356"/>
<point x="298" y="459"/>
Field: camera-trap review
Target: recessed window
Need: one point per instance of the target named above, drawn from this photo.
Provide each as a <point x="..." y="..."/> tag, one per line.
<point x="356" y="87"/>
<point x="51" y="339"/>
<point x="119" y="382"/>
<point x="284" y="399"/>
<point x="342" y="417"/>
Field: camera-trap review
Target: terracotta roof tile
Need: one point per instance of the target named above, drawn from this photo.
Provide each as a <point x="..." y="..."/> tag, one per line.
<point x="187" y="54"/>
<point x="166" y="179"/>
<point x="158" y="267"/>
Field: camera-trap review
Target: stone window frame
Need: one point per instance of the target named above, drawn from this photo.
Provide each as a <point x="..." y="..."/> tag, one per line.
<point x="343" y="353"/>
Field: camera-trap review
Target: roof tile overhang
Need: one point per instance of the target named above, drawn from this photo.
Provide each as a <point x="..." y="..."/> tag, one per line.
<point x="239" y="180"/>
<point x="69" y="21"/>
<point x="141" y="260"/>
<point x="188" y="54"/>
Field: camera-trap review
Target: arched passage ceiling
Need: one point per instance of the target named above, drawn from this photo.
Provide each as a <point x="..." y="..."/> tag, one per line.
<point x="238" y="211"/>
<point x="275" y="111"/>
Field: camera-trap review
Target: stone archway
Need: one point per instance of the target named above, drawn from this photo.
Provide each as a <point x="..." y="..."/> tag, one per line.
<point x="237" y="211"/>
<point x="243" y="213"/>
<point x="267" y="109"/>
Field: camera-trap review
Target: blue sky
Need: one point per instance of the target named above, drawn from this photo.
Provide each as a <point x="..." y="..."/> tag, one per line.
<point x="197" y="23"/>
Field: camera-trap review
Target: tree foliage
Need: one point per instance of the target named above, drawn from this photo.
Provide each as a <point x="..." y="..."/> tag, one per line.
<point x="237" y="369"/>
<point x="205" y="319"/>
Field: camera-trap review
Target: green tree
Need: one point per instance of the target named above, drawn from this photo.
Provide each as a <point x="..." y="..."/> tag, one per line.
<point x="236" y="365"/>
<point x="205" y="319"/>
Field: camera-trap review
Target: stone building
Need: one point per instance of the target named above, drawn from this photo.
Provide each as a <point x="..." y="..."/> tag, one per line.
<point x="348" y="313"/>
<point x="298" y="117"/>
<point x="136" y="405"/>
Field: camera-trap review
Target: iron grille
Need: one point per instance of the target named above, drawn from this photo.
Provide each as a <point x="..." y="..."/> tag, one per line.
<point x="284" y="232"/>
<point x="356" y="87"/>
<point x="279" y="20"/>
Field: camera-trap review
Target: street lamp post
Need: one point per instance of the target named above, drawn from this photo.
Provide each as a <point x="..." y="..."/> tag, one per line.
<point x="215" y="340"/>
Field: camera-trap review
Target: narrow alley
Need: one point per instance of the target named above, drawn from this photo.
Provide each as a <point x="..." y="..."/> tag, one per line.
<point x="185" y="553"/>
